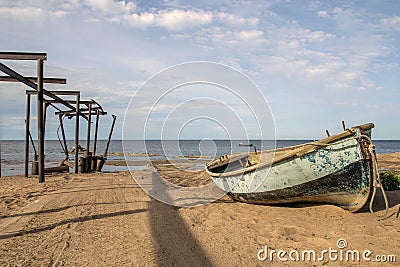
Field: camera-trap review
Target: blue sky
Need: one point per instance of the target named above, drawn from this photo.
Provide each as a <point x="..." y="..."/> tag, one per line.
<point x="315" y="62"/>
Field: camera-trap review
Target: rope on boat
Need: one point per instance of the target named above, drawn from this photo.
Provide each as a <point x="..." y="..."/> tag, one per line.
<point x="376" y="182"/>
<point x="375" y="174"/>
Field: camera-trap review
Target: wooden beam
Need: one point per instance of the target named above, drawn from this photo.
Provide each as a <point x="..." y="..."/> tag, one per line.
<point x="27" y="82"/>
<point x="83" y="102"/>
<point x="58" y="92"/>
<point x="34" y="79"/>
<point x="72" y="113"/>
<point x="23" y="56"/>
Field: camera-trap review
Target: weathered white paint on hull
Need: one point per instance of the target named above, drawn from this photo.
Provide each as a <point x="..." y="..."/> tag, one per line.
<point x="295" y="171"/>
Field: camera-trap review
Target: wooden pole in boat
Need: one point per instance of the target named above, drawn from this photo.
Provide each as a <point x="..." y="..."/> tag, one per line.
<point x="327" y="133"/>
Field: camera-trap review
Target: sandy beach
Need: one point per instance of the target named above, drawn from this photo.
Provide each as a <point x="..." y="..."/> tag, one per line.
<point x="106" y="219"/>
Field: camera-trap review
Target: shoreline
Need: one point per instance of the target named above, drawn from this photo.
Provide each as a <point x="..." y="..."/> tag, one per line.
<point x="388" y="161"/>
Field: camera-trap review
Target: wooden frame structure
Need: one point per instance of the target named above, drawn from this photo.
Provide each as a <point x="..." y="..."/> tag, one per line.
<point x="47" y="98"/>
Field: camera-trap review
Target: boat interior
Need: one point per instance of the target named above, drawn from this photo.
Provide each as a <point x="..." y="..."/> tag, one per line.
<point x="249" y="161"/>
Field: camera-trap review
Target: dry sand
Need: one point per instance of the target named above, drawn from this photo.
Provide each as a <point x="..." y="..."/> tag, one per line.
<point x="389" y="161"/>
<point x="106" y="219"/>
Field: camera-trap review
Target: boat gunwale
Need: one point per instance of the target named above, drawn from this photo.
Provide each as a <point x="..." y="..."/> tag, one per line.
<point x="308" y="148"/>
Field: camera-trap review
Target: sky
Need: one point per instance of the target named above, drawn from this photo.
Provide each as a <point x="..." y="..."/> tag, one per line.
<point x="315" y="63"/>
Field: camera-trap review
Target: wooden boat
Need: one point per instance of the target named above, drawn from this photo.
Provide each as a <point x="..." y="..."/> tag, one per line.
<point x="338" y="170"/>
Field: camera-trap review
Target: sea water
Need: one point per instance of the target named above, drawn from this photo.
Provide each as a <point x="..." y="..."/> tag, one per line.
<point x="13" y="152"/>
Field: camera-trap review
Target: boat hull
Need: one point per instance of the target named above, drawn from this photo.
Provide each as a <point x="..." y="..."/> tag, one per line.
<point x="339" y="173"/>
<point x="342" y="188"/>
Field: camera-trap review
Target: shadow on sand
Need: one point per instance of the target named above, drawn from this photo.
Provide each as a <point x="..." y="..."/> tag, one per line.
<point x="72" y="220"/>
<point x="173" y="240"/>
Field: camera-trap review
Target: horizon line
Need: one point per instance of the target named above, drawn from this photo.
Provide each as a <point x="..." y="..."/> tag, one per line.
<point x="284" y="139"/>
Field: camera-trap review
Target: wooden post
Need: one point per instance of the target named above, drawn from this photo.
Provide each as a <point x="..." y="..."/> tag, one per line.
<point x="77" y="132"/>
<point x="95" y="132"/>
<point x="40" y="120"/>
<point x="46" y="105"/>
<point x="27" y="126"/>
<point x="88" y="129"/>
<point x="110" y="135"/>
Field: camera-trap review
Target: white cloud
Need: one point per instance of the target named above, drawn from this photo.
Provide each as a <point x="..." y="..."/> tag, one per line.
<point x="60" y="13"/>
<point x="249" y="35"/>
<point x="318" y="36"/>
<point x="393" y="22"/>
<point x="126" y="12"/>
<point x="220" y="37"/>
<point x="111" y="7"/>
<point x="253" y="21"/>
<point x="71" y="5"/>
<point x="174" y="20"/>
<point x="234" y="20"/>
<point x="230" y="19"/>
<point x="180" y="19"/>
<point x="21" y="12"/>
<point x="341" y="11"/>
<point x="32" y="12"/>
<point x="143" y="20"/>
<point x="322" y="13"/>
